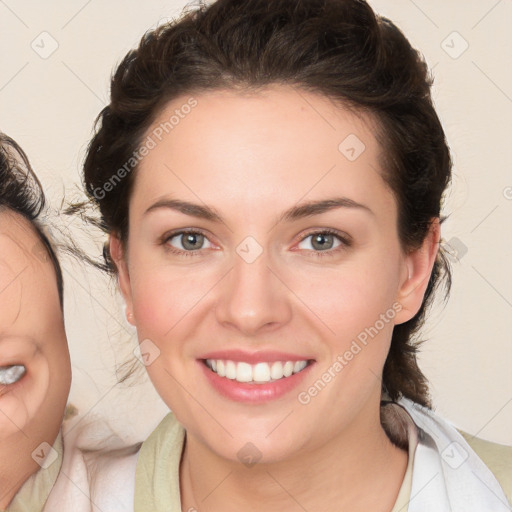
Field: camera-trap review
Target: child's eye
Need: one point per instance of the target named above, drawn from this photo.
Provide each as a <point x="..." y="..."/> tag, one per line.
<point x="11" y="374"/>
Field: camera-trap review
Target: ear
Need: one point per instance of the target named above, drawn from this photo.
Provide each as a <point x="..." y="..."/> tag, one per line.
<point x="418" y="267"/>
<point x="118" y="256"/>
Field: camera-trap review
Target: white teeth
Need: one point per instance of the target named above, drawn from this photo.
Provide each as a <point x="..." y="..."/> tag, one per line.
<point x="258" y="373"/>
<point x="230" y="370"/>
<point x="221" y="368"/>
<point x="299" y="365"/>
<point x="288" y="368"/>
<point x="261" y="372"/>
<point x="11" y="374"/>
<point x="243" y="372"/>
<point x="276" y="371"/>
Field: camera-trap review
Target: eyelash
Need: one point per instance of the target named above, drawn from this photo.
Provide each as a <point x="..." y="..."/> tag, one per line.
<point x="345" y="242"/>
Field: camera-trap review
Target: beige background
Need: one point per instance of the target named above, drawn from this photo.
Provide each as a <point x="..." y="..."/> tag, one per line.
<point x="48" y="105"/>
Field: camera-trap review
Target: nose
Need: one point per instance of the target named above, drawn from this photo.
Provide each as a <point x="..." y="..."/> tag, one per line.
<point x="253" y="298"/>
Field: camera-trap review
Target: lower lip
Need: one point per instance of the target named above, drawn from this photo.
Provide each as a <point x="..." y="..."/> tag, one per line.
<point x="254" y="393"/>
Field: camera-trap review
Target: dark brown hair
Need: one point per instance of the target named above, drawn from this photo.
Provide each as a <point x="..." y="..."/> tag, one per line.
<point x="21" y="192"/>
<point x="338" y="48"/>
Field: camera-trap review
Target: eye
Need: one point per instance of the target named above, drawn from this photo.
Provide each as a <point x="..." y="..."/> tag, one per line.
<point x="11" y="374"/>
<point x="190" y="242"/>
<point x="323" y="242"/>
<point x="186" y="243"/>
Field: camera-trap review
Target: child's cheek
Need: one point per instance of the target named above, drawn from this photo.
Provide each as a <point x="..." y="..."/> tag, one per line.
<point x="20" y="403"/>
<point x="10" y="295"/>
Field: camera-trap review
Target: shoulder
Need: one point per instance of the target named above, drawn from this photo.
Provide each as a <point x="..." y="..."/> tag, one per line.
<point x="482" y="477"/>
<point x="168" y="431"/>
<point x="98" y="470"/>
<point x="497" y="457"/>
<point x="112" y="478"/>
<point x="162" y="448"/>
<point x="157" y="475"/>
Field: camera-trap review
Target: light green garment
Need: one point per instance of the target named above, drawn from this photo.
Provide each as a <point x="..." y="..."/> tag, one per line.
<point x="157" y="477"/>
<point x="157" y="483"/>
<point x="497" y="457"/>
<point x="33" y="494"/>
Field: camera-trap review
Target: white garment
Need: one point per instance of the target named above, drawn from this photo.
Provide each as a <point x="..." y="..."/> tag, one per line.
<point x="448" y="476"/>
<point x="98" y="470"/>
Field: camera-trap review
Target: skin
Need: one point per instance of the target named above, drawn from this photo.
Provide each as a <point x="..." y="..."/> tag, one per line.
<point x="251" y="157"/>
<point x="31" y="333"/>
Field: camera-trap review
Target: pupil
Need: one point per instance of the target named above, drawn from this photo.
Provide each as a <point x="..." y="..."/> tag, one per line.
<point x="191" y="239"/>
<point x="321" y="240"/>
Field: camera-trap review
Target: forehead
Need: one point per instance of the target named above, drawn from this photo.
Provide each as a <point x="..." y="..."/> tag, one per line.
<point x="250" y="147"/>
<point x="23" y="256"/>
<point x="17" y="235"/>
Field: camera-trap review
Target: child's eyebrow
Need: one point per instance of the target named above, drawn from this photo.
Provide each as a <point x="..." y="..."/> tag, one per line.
<point x="296" y="212"/>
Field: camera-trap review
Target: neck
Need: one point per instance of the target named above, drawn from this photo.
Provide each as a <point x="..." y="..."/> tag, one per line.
<point x="358" y="470"/>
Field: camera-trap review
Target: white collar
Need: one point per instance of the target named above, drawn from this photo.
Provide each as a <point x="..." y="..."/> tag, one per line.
<point x="448" y="476"/>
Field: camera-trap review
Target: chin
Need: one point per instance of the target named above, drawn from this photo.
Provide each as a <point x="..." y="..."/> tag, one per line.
<point x="249" y="446"/>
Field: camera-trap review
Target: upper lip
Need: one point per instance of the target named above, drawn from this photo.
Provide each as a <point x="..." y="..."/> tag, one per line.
<point x="261" y="356"/>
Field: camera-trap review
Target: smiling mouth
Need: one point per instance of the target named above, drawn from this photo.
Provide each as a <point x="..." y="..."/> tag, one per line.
<point x="260" y="373"/>
<point x="11" y="374"/>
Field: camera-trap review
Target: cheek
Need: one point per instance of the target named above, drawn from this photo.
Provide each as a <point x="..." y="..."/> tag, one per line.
<point x="351" y="298"/>
<point x="57" y="354"/>
<point x="163" y="308"/>
<point x="24" y="402"/>
<point x="50" y="335"/>
<point x="359" y="309"/>
<point x="162" y="297"/>
<point x="152" y="303"/>
<point x="10" y="296"/>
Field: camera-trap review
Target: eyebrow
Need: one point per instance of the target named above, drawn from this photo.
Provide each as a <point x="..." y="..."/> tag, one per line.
<point x="308" y="209"/>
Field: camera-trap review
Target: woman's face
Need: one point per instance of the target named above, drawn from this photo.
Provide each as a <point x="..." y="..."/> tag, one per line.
<point x="35" y="370"/>
<point x="294" y="261"/>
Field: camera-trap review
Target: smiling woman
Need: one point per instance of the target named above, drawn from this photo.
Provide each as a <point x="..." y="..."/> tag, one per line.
<point x="283" y="241"/>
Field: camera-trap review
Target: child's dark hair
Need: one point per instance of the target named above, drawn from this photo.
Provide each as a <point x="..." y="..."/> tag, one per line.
<point x="338" y="48"/>
<point x="21" y="192"/>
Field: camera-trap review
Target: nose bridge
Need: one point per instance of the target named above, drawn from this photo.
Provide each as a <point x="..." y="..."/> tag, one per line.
<point x="252" y="298"/>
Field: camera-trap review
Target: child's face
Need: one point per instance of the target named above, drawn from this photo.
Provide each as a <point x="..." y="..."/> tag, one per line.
<point x="35" y="371"/>
<point x="259" y="288"/>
